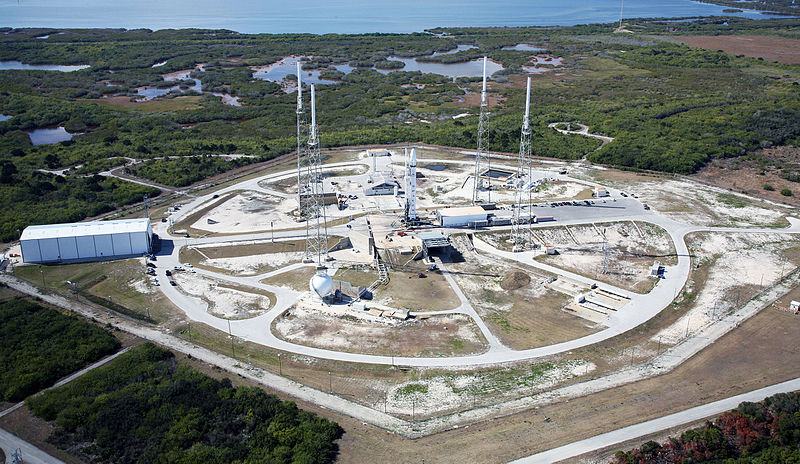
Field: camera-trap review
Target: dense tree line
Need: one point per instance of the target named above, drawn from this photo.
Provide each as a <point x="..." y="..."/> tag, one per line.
<point x="764" y="432"/>
<point x="40" y="345"/>
<point x="144" y="407"/>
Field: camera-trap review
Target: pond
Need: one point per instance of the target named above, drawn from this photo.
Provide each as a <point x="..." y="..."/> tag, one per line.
<point x="49" y="135"/>
<point x="524" y="48"/>
<point x="458" y="48"/>
<point x="472" y="68"/>
<point x="149" y="93"/>
<point x="278" y="71"/>
<point x="5" y="117"/>
<point x="9" y="65"/>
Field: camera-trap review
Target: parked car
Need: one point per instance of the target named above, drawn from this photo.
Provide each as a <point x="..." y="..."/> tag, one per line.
<point x="169" y="273"/>
<point x="172" y="282"/>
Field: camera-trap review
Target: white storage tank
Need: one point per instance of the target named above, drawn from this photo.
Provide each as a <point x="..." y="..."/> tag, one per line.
<point x="321" y="283"/>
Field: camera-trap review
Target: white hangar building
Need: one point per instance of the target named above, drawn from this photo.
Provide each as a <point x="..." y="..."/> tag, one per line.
<point x="86" y="241"/>
<point x="461" y="216"/>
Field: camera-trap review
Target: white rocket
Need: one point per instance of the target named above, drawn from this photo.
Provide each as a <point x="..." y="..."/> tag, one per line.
<point x="411" y="187"/>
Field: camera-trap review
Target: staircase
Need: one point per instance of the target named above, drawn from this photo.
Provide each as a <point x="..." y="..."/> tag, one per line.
<point x="383" y="277"/>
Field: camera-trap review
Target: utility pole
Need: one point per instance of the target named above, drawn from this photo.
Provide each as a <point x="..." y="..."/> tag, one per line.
<point x="233" y="350"/>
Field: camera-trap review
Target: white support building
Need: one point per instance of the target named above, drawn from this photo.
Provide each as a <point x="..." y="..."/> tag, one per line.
<point x="463" y="216"/>
<point x="86" y="241"/>
<point x="381" y="184"/>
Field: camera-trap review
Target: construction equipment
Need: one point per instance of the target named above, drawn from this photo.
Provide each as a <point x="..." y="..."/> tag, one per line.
<point x="794" y="307"/>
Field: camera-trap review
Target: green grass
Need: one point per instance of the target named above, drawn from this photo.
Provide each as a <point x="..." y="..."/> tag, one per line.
<point x="411" y="389"/>
<point x="733" y="201"/>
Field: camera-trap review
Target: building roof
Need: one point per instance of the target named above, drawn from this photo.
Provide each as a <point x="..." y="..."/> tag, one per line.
<point x="381" y="178"/>
<point x="434" y="239"/>
<point x="462" y="211"/>
<point x="78" y="229"/>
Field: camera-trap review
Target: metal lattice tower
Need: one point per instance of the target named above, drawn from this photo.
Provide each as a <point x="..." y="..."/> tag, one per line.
<point x="301" y="136"/>
<point x="482" y="162"/>
<point x="311" y="193"/>
<point x="523" y="179"/>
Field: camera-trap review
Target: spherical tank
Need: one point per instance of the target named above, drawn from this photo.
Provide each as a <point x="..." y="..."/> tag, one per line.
<point x="321" y="283"/>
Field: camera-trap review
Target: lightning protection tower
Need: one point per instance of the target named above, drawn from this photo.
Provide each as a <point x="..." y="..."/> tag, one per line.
<point x="482" y="162"/>
<point x="523" y="179"/>
<point x="311" y="193"/>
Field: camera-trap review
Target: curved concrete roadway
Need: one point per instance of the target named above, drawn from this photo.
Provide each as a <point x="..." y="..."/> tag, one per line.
<point x="640" y="309"/>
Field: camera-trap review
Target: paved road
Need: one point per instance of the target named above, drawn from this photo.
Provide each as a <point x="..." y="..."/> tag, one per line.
<point x="640" y="309"/>
<point x="656" y="425"/>
<point x="31" y="454"/>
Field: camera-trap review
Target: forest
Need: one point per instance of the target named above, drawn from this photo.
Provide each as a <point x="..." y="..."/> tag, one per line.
<point x="146" y="407"/>
<point x="41" y="345"/>
<point x="669" y="107"/>
<point x="763" y="432"/>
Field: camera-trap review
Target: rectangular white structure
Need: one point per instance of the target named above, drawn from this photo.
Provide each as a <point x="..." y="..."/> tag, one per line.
<point x="86" y="241"/>
<point x="457" y="217"/>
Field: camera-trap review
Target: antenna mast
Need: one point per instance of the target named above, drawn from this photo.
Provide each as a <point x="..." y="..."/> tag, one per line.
<point x="312" y="194"/>
<point x="621" y="6"/>
<point x="482" y="161"/>
<point x="523" y="181"/>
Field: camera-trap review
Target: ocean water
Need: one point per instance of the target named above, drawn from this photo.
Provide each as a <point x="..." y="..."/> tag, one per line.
<point x="335" y="16"/>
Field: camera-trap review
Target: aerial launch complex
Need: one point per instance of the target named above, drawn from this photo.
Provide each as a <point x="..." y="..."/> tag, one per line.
<point x="417" y="256"/>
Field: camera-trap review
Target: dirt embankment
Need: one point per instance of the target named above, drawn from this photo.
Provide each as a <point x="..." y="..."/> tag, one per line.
<point x="769" y="48"/>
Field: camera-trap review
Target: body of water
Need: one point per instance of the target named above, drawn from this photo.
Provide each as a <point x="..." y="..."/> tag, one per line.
<point x="51" y="135"/>
<point x="472" y="68"/>
<point x="149" y="93"/>
<point x="5" y="117"/>
<point x="7" y="65"/>
<point x="336" y="16"/>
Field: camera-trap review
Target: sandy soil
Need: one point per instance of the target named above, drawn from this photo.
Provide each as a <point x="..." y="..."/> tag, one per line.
<point x="338" y="327"/>
<point x="226" y="257"/>
<point x="750" y="176"/>
<point x="632" y="251"/>
<point x="527" y="317"/>
<point x="222" y="301"/>
<point x="770" y="48"/>
<point x="446" y="392"/>
<point x="739" y="265"/>
<point x="692" y="202"/>
<point x="245" y="212"/>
